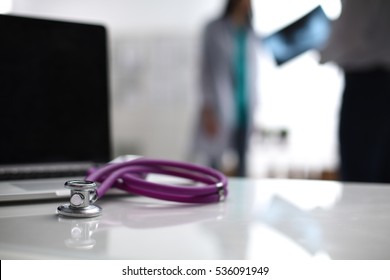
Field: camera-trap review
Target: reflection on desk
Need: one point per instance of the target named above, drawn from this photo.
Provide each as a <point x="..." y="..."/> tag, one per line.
<point x="261" y="219"/>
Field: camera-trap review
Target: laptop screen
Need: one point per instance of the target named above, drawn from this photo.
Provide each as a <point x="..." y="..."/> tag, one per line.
<point x="54" y="104"/>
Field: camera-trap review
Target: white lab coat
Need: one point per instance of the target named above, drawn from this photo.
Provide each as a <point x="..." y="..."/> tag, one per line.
<point x="217" y="85"/>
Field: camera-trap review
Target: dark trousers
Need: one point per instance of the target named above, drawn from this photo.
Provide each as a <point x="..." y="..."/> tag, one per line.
<point x="240" y="147"/>
<point x="364" y="128"/>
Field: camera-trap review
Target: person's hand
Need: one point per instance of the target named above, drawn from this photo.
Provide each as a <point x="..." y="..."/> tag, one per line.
<point x="209" y="122"/>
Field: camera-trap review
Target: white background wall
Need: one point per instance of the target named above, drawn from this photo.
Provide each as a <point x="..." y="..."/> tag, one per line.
<point x="127" y="16"/>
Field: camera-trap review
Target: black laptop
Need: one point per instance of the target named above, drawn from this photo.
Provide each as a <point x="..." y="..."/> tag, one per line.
<point x="54" y="98"/>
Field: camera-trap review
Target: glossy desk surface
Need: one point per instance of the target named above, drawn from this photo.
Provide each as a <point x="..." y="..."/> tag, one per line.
<point x="261" y="219"/>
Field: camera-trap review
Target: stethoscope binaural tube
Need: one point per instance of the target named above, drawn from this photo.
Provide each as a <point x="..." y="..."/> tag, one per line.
<point x="210" y="185"/>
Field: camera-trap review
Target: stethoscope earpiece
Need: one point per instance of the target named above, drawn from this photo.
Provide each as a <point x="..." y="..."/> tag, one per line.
<point x="82" y="196"/>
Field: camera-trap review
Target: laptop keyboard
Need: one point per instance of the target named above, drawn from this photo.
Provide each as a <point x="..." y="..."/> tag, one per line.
<point x="42" y="171"/>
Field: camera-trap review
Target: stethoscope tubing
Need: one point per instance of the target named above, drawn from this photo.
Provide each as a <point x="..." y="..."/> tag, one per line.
<point x="130" y="176"/>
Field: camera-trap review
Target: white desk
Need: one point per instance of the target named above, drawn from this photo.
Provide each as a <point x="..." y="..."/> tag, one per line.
<point x="268" y="219"/>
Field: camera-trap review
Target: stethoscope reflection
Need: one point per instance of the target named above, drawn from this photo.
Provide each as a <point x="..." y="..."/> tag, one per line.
<point x="136" y="215"/>
<point x="80" y="232"/>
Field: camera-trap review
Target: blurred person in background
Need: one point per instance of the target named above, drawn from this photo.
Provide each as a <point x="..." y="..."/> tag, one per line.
<point x="360" y="45"/>
<point x="228" y="86"/>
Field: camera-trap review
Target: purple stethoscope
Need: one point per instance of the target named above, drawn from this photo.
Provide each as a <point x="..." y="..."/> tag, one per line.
<point x="209" y="184"/>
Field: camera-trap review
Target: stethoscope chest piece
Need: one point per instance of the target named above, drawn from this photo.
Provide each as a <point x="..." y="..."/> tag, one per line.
<point x="82" y="195"/>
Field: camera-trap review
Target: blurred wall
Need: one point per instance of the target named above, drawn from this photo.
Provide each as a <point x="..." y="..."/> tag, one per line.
<point x="154" y="48"/>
